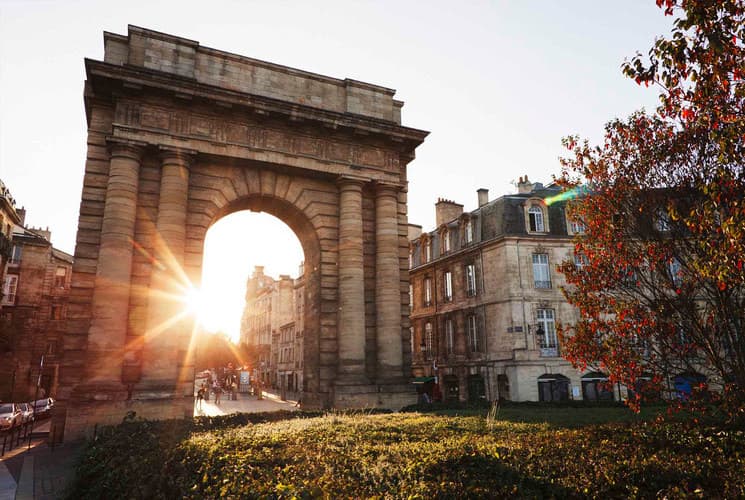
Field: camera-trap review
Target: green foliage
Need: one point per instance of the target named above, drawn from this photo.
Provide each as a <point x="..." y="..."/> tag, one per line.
<point x="357" y="455"/>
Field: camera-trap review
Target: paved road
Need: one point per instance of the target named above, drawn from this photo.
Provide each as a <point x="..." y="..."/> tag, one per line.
<point x="245" y="404"/>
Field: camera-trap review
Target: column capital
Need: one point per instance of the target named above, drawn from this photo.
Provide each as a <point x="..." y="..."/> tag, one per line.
<point x="350" y="181"/>
<point x="125" y="148"/>
<point x="387" y="189"/>
<point x="181" y="156"/>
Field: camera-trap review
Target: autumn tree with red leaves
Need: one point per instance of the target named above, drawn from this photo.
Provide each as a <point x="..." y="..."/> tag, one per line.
<point x="660" y="285"/>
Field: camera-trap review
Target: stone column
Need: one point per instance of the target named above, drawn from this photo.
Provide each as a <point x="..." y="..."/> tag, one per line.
<point x="387" y="284"/>
<point x="165" y="343"/>
<point x="110" y="303"/>
<point x="351" y="320"/>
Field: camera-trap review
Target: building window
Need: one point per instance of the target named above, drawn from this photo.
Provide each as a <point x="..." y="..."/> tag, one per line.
<point x="468" y="232"/>
<point x="60" y="277"/>
<point x="546" y="333"/>
<point x="427" y="292"/>
<point x="411" y="257"/>
<point x="445" y="237"/>
<point x="541" y="276"/>
<point x="676" y="272"/>
<point x="535" y="219"/>
<point x="662" y="222"/>
<point x="411" y="295"/>
<point x="448" y="285"/>
<point x="449" y="337"/>
<point x="580" y="261"/>
<point x="471" y="279"/>
<point x="10" y="287"/>
<point x="57" y="311"/>
<point x="595" y="387"/>
<point x="15" y="255"/>
<point x="576" y="227"/>
<point x="428" y="340"/>
<point x="472" y="333"/>
<point x="427" y="251"/>
<point x="553" y="387"/>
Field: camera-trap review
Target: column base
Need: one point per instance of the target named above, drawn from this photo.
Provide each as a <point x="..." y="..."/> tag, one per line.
<point x="95" y="405"/>
<point x="390" y="396"/>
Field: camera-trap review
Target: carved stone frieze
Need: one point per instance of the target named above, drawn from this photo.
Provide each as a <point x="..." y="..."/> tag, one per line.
<point x="219" y="130"/>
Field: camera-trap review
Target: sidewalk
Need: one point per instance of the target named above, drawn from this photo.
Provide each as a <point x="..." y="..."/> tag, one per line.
<point x="39" y="472"/>
<point x="245" y="404"/>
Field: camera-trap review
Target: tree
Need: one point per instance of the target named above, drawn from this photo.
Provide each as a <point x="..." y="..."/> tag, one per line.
<point x="660" y="285"/>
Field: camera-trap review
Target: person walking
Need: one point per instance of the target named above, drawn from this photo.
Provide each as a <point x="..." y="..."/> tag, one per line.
<point x="218" y="392"/>
<point x="200" y="397"/>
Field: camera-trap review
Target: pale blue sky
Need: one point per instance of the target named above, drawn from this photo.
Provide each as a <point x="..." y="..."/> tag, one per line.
<point x="497" y="83"/>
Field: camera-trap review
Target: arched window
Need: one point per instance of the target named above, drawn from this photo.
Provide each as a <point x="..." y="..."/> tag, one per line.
<point x="535" y="219"/>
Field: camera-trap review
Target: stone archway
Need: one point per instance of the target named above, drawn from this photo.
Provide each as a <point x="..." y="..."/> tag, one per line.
<point x="180" y="135"/>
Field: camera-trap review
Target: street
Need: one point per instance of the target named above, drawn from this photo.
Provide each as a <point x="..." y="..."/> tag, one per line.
<point x="244" y="404"/>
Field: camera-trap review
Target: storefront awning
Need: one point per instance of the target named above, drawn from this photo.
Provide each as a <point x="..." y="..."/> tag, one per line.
<point x="423" y="380"/>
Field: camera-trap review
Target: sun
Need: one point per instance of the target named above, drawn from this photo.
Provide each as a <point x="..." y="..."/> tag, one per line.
<point x="195" y="304"/>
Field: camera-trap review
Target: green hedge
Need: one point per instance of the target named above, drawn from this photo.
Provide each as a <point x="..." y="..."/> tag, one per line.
<point x="307" y="455"/>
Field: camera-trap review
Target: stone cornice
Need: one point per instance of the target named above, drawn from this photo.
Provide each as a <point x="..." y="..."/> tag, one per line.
<point x="183" y="87"/>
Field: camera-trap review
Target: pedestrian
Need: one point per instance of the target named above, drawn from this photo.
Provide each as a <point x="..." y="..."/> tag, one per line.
<point x="206" y="391"/>
<point x="200" y="397"/>
<point x="218" y="392"/>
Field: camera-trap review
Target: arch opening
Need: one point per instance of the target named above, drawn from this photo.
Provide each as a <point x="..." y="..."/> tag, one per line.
<point x="259" y="295"/>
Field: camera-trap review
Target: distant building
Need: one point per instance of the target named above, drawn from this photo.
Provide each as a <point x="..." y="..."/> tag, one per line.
<point x="485" y="301"/>
<point x="36" y="287"/>
<point x="272" y="322"/>
<point x="10" y="217"/>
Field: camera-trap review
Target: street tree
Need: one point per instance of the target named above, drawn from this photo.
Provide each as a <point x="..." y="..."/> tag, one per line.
<point x="659" y="273"/>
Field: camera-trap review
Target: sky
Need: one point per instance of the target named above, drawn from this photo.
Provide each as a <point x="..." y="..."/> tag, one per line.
<point x="497" y="83"/>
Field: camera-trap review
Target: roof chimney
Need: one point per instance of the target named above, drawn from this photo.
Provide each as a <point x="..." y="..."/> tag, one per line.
<point x="447" y="210"/>
<point x="483" y="196"/>
<point x="524" y="185"/>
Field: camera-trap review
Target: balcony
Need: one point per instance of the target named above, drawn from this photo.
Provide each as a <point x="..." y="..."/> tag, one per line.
<point x="545" y="285"/>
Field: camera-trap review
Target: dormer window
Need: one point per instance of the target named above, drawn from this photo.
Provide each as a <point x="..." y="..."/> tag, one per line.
<point x="535" y="219"/>
<point x="445" y="237"/>
<point x="468" y="232"/>
<point x="426" y="248"/>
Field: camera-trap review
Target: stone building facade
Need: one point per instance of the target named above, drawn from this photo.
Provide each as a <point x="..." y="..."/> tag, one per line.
<point x="272" y="322"/>
<point x="486" y="299"/>
<point x="34" y="310"/>
<point x="10" y="217"/>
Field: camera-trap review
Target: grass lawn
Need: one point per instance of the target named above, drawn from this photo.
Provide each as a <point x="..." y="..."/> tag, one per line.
<point x="530" y="451"/>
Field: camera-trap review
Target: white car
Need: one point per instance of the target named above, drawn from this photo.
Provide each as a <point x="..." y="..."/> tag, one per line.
<point x="10" y="416"/>
<point x="42" y="407"/>
<point x="27" y="412"/>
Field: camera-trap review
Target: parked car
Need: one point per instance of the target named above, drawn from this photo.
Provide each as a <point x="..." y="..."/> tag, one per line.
<point x="43" y="407"/>
<point x="27" y="411"/>
<point x="10" y="416"/>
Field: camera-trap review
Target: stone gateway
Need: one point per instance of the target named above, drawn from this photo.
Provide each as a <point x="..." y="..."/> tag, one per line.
<point x="180" y="135"/>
